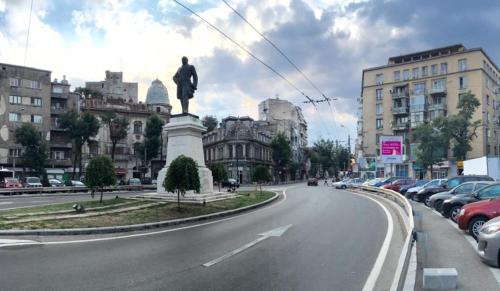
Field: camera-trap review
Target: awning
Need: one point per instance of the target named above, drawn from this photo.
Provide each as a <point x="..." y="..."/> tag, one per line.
<point x="55" y="171"/>
<point x="121" y="171"/>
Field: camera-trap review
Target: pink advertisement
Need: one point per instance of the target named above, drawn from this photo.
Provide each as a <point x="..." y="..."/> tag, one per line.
<point x="391" y="149"/>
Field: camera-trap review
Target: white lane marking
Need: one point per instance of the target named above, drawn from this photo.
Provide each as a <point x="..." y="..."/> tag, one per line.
<point x="17" y="242"/>
<point x="160" y="231"/>
<point x="277" y="232"/>
<point x="6" y="203"/>
<point x="379" y="262"/>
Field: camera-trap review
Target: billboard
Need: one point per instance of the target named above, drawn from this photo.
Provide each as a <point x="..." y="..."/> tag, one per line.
<point x="391" y="149"/>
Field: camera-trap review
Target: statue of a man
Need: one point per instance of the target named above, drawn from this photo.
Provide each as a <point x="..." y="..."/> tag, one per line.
<point x="185" y="88"/>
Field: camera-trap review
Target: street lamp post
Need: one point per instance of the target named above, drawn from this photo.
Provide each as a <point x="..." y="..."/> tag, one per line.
<point x="348" y="138"/>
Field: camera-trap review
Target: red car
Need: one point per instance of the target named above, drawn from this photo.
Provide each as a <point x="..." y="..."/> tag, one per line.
<point x="472" y="216"/>
<point x="396" y="185"/>
<point x="10" y="183"/>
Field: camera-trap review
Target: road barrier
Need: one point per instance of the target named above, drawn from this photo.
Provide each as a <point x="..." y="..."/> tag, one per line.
<point x="71" y="189"/>
<point x="404" y="260"/>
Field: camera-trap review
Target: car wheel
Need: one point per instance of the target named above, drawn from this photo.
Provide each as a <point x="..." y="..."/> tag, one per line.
<point x="343" y="187"/>
<point x="438" y="205"/>
<point x="454" y="211"/>
<point x="427" y="201"/>
<point x="475" y="225"/>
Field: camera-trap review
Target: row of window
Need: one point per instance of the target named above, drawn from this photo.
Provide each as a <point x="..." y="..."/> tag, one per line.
<point x="32" y="84"/>
<point x="16" y="117"/>
<point x="415" y="72"/>
<point x="17" y="100"/>
<point x="491" y="72"/>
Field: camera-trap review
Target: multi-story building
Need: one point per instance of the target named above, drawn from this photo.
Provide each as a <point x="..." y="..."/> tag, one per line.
<point x="25" y="96"/>
<point x="114" y="87"/>
<point x="240" y="144"/>
<point x="418" y="87"/>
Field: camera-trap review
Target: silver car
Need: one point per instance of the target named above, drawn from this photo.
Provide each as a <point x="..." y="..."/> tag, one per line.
<point x="436" y="200"/>
<point x="488" y="246"/>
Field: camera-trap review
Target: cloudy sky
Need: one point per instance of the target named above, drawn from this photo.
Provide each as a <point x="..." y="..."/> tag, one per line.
<point x="330" y="40"/>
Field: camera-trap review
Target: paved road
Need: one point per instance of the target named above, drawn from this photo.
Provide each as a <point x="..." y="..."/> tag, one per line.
<point x="333" y="242"/>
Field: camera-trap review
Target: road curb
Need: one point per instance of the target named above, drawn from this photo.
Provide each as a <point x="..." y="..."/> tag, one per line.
<point x="135" y="227"/>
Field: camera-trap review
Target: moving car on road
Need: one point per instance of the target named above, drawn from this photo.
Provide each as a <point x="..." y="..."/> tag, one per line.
<point x="488" y="247"/>
<point x="32" y="182"/>
<point x="10" y="183"/>
<point x="436" y="200"/>
<point x="474" y="215"/>
<point x="396" y="185"/>
<point x="312" y="182"/>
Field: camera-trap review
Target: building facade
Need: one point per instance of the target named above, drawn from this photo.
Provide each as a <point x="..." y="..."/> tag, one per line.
<point x="239" y="144"/>
<point x="114" y="87"/>
<point x="418" y="87"/>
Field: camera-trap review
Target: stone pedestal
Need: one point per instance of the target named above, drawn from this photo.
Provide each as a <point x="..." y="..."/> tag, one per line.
<point x="184" y="138"/>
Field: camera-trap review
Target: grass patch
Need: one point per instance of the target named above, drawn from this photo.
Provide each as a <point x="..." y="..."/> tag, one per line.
<point x="159" y="213"/>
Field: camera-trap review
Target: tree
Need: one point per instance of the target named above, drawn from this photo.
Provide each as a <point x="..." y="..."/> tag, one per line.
<point x="282" y="152"/>
<point x="99" y="174"/>
<point x="293" y="168"/>
<point x="210" y="122"/>
<point x="432" y="144"/>
<point x="34" y="149"/>
<point x="118" y="128"/>
<point x="342" y="159"/>
<point x="260" y="174"/>
<point x="80" y="127"/>
<point x="325" y="153"/>
<point x="182" y="175"/>
<point x="218" y="173"/>
<point x="152" y="139"/>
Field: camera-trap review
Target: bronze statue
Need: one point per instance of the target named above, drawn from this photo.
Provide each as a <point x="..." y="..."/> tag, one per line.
<point x="185" y="88"/>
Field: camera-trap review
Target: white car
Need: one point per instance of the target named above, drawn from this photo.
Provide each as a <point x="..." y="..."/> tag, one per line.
<point x="342" y="184"/>
<point x="372" y="182"/>
<point x="33" y="182"/>
<point x="76" y="183"/>
<point x="55" y="183"/>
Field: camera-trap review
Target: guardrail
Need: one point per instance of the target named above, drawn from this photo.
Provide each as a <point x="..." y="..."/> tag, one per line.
<point x="404" y="260"/>
<point x="46" y="190"/>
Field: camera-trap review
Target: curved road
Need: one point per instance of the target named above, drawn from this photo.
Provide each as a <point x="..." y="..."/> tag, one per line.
<point x="332" y="244"/>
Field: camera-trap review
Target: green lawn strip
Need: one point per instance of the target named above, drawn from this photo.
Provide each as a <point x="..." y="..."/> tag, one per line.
<point x="158" y="213"/>
<point x="62" y="206"/>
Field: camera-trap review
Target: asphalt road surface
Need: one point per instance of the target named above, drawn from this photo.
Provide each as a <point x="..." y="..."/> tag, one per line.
<point x="332" y="244"/>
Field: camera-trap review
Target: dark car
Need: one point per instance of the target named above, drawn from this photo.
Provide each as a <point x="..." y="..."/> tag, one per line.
<point x="146" y="181"/>
<point x="428" y="190"/>
<point x="436" y="200"/>
<point x="312" y="182"/>
<point x="232" y="183"/>
<point x="410" y="194"/>
<point x="451" y="207"/>
<point x="387" y="181"/>
<point x="417" y="183"/>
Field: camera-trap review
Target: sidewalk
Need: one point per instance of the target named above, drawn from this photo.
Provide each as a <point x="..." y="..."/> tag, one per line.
<point x="442" y="245"/>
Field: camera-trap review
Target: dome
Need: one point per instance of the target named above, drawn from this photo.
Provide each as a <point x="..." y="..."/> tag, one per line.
<point x="157" y="94"/>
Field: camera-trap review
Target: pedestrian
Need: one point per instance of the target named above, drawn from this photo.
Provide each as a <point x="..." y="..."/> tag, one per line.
<point x="326" y="182"/>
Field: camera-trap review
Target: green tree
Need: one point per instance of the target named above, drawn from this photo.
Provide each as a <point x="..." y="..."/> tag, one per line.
<point x="325" y="153"/>
<point x="99" y="174"/>
<point x="293" y="168"/>
<point x="260" y="174"/>
<point x="152" y="139"/>
<point x="80" y="127"/>
<point x="34" y="149"/>
<point x="342" y="159"/>
<point x="282" y="152"/>
<point x="182" y="175"/>
<point x="432" y="146"/>
<point x="118" y="128"/>
<point x="210" y="122"/>
<point x="313" y="158"/>
<point x="218" y="173"/>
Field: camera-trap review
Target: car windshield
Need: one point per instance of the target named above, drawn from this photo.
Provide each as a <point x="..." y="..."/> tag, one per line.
<point x="11" y="180"/>
<point x="33" y="180"/>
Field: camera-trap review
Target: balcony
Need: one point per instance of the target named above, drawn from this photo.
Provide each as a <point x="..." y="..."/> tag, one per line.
<point x="438" y="91"/>
<point x="416" y="123"/>
<point x="58" y="95"/>
<point x="60" y="144"/>
<point x="438" y="106"/>
<point x="60" y="163"/>
<point x="399" y="110"/>
<point x="418" y="108"/>
<point x="400" y="94"/>
<point x="399" y="126"/>
<point x="57" y="110"/>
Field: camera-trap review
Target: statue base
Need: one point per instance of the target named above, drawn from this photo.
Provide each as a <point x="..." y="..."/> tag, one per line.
<point x="184" y="134"/>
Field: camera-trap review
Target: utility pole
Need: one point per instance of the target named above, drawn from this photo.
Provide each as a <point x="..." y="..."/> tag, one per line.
<point x="349" y="144"/>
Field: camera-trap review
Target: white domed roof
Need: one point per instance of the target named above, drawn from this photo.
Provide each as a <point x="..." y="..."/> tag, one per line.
<point x="157" y="94"/>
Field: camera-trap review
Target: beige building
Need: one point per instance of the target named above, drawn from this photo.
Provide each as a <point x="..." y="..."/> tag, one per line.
<point x="114" y="87"/>
<point x="419" y="87"/>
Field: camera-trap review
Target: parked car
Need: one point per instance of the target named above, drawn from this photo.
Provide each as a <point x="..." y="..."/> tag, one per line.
<point x="451" y="207"/>
<point x="455" y="181"/>
<point x="386" y="181"/>
<point x="32" y="182"/>
<point x="146" y="181"/>
<point x="10" y="183"/>
<point x="436" y="200"/>
<point x="417" y="183"/>
<point x="230" y="183"/>
<point x="488" y="242"/>
<point x="154" y="182"/>
<point x="134" y="181"/>
<point x="55" y="183"/>
<point x="372" y="182"/>
<point x="472" y="216"/>
<point x="76" y="183"/>
<point x="396" y="185"/>
<point x="424" y="194"/>
<point x="433" y="183"/>
<point x="312" y="182"/>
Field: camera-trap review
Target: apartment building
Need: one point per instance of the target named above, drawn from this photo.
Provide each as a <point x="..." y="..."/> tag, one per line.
<point x="114" y="87"/>
<point x="418" y="87"/>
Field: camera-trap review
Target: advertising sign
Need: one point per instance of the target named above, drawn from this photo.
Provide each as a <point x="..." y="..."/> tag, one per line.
<point x="391" y="149"/>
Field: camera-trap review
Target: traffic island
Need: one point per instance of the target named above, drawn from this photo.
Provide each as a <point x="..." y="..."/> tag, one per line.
<point x="141" y="216"/>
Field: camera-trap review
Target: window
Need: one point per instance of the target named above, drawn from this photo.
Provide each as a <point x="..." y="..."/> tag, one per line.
<point x="15" y="99"/>
<point x="401" y="170"/>
<point x="379" y="79"/>
<point x="36" y="118"/>
<point x="419" y="88"/>
<point x="444" y="68"/>
<point x="377" y="139"/>
<point x="379" y="109"/>
<point x="414" y="73"/>
<point x="487" y="99"/>
<point x="57" y="89"/>
<point x="36" y="101"/>
<point x="462" y="65"/>
<point x="14" y="153"/>
<point x="137" y="127"/>
<point x="439" y="84"/>
<point x="464" y="188"/>
<point x="488" y="83"/>
<point x="425" y="71"/>
<point x="379" y="93"/>
<point x="33" y="84"/>
<point x="434" y="69"/>
<point x="14" y="117"/>
<point x="379" y="123"/>
<point x="481" y="185"/>
<point x="406" y="75"/>
<point x="14" y="82"/>
<point x="462" y="82"/>
<point x="58" y="155"/>
<point x="492" y="191"/>
<point x="397" y="76"/>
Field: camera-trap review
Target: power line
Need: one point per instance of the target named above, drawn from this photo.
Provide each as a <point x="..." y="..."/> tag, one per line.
<point x="28" y="34"/>
<point x="280" y="51"/>
<point x="247" y="51"/>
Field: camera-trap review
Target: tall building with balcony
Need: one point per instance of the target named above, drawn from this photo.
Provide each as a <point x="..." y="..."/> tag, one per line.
<point x="418" y="87"/>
